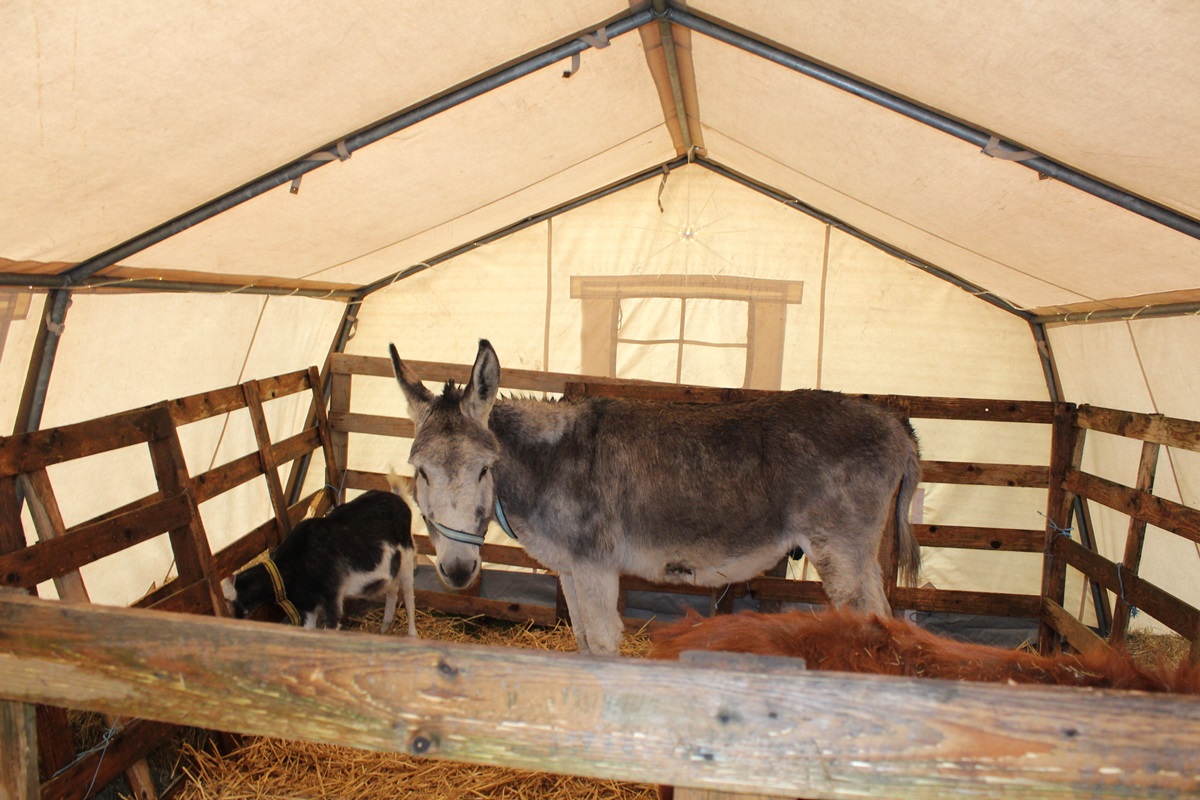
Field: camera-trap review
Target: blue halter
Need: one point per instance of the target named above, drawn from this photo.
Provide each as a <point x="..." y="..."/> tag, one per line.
<point x="474" y="538"/>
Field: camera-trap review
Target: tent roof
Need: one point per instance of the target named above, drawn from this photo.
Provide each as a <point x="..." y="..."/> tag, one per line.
<point x="122" y="119"/>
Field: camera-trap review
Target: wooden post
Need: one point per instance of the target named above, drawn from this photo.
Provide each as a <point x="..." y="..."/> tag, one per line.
<point x="1134" y="540"/>
<point x="47" y="519"/>
<point x="193" y="556"/>
<point x="332" y="468"/>
<point x="262" y="435"/>
<point x="1066" y="451"/>
<point x="339" y="402"/>
<point x="18" y="752"/>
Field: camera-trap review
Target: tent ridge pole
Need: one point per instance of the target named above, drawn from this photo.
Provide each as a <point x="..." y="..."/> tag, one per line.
<point x="372" y="134"/>
<point x="1138" y="205"/>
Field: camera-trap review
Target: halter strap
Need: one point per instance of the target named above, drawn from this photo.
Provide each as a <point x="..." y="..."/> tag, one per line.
<point x="474" y="538"/>
<point x="280" y="594"/>
<point x="503" y="520"/>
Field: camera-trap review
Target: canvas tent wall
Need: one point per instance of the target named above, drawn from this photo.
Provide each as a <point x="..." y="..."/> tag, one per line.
<point x="121" y="120"/>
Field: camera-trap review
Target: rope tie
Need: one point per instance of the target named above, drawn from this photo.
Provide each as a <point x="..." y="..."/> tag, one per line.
<point x="1133" y="611"/>
<point x="1060" y="531"/>
<point x="280" y="593"/>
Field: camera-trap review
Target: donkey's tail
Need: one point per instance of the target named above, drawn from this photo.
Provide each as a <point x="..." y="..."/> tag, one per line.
<point x="908" y="552"/>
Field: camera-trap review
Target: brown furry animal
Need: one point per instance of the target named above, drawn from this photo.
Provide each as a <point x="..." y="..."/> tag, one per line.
<point x="850" y="641"/>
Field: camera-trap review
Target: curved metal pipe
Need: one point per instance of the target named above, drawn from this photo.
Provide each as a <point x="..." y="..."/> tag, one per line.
<point x="1040" y="164"/>
<point x="365" y="137"/>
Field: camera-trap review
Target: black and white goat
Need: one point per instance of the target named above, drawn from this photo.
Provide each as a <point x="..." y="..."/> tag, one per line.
<point x="363" y="548"/>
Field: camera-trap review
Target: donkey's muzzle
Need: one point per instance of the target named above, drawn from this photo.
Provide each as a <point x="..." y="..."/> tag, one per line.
<point x="458" y="574"/>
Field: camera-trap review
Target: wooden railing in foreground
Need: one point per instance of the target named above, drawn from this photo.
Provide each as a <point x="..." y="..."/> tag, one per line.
<point x="754" y="726"/>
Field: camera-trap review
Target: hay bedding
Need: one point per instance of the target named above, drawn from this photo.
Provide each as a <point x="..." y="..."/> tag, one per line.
<point x="273" y="768"/>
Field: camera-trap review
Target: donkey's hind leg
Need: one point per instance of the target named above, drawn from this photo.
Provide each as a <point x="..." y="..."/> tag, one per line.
<point x="595" y="608"/>
<point x="850" y="573"/>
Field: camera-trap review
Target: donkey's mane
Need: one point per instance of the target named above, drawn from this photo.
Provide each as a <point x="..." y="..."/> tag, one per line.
<point x="452" y="395"/>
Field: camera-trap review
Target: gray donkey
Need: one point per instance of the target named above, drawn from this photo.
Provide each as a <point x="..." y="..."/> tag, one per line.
<point x="705" y="494"/>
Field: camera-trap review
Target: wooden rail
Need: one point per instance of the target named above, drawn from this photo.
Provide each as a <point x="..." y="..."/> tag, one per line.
<point x="759" y="724"/>
<point x="172" y="511"/>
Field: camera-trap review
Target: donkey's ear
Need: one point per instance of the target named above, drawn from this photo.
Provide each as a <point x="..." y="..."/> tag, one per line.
<point x="419" y="398"/>
<point x="481" y="391"/>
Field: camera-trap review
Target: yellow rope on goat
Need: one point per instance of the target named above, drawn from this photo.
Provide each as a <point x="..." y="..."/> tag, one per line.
<point x="280" y="592"/>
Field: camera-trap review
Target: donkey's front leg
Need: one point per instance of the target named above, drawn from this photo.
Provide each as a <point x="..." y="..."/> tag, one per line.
<point x="596" y="590"/>
<point x="567" y="581"/>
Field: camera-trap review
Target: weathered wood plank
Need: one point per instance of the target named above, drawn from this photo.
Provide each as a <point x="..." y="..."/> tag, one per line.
<point x="229" y="475"/>
<point x="919" y="407"/>
<point x="232" y="474"/>
<point x="196" y="407"/>
<point x="325" y="435"/>
<point x="1135" y="537"/>
<point x="55" y="742"/>
<point x="283" y="385"/>
<point x="134" y="740"/>
<point x="374" y="424"/>
<point x="1148" y="427"/>
<point x="340" y="385"/>
<point x="518" y="379"/>
<point x="975" y="474"/>
<point x="1078" y="635"/>
<point x="817" y="735"/>
<point x="30" y="566"/>
<point x="506" y="554"/>
<point x="993" y="604"/>
<point x="18" y="751"/>
<point x="469" y="606"/>
<point x="1011" y="540"/>
<point x="47" y="518"/>
<point x="258" y="421"/>
<point x="1137" y="591"/>
<point x="189" y="541"/>
<point x="27" y="452"/>
<point x="1159" y="512"/>
<point x="1066" y="451"/>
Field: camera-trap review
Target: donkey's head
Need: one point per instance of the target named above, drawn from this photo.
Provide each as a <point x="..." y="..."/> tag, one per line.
<point x="453" y="452"/>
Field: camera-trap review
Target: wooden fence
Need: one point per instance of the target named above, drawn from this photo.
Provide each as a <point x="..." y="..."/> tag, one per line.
<point x="711" y="728"/>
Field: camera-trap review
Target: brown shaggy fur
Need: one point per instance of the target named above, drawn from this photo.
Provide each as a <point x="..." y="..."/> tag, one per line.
<point x="849" y="641"/>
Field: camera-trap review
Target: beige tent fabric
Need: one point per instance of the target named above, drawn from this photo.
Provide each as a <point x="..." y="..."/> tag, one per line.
<point x="368" y="207"/>
<point x="1100" y="88"/>
<point x="160" y="109"/>
<point x="986" y="220"/>
<point x="21" y="315"/>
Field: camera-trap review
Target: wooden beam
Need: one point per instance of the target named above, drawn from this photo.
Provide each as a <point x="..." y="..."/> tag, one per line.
<point x="18" y="751"/>
<point x="1159" y="512"/>
<point x="1156" y="428"/>
<point x="817" y="735"/>
<point x="1066" y="451"/>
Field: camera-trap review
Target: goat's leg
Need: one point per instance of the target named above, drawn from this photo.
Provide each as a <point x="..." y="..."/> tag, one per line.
<point x="408" y="563"/>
